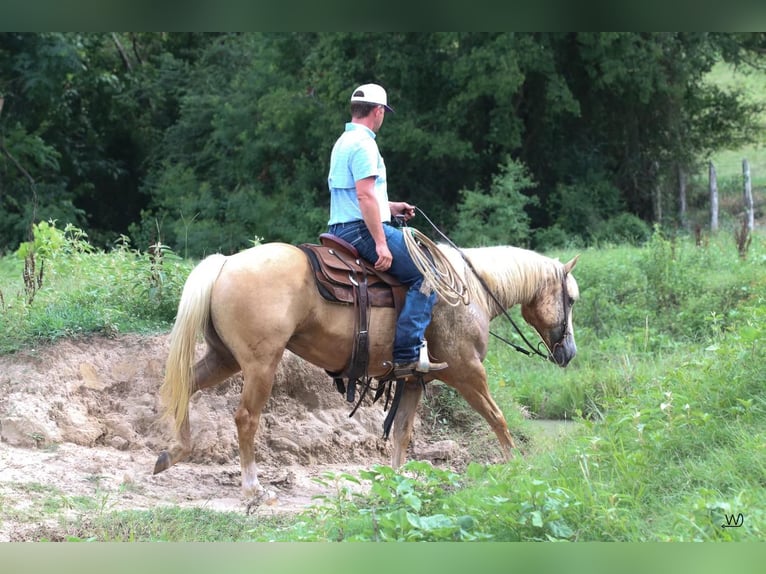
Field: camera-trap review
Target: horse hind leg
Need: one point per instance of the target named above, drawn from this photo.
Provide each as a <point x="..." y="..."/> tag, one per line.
<point x="259" y="380"/>
<point x="214" y="368"/>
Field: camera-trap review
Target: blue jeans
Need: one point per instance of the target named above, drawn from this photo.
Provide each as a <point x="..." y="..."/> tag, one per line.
<point x="416" y="313"/>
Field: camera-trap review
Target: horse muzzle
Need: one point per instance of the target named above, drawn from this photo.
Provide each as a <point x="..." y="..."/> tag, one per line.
<point x="563" y="352"/>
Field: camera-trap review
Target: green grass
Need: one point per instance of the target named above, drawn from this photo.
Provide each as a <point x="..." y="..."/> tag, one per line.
<point x="728" y="165"/>
<point x="171" y="524"/>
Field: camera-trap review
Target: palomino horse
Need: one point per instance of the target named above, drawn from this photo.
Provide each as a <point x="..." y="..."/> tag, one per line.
<point x="253" y="305"/>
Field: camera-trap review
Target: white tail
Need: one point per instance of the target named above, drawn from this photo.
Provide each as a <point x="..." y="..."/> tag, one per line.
<point x="192" y="317"/>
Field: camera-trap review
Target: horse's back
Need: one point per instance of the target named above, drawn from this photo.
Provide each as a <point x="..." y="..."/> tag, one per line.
<point x="269" y="257"/>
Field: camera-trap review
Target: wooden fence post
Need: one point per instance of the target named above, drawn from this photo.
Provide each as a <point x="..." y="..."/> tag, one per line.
<point x="749" y="211"/>
<point x="713" y="183"/>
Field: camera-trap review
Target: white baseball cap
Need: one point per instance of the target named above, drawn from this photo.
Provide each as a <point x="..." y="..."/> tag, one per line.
<point x="371" y="94"/>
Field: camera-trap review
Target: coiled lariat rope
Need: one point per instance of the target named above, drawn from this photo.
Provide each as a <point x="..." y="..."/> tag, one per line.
<point x="435" y="267"/>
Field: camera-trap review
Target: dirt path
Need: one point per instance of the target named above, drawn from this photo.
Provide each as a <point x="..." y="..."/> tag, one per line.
<point x="80" y="429"/>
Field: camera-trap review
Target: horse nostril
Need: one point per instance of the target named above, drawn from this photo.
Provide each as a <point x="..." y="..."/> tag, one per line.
<point x="562" y="355"/>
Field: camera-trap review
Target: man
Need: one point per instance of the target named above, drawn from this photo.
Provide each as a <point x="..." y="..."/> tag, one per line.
<point x="360" y="213"/>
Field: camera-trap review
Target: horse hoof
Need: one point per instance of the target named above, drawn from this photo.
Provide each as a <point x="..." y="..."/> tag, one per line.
<point x="264" y="497"/>
<point x="163" y="462"/>
<point x="270" y="498"/>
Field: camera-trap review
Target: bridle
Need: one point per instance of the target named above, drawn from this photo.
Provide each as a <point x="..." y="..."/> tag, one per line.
<point x="565" y="332"/>
<point x="567" y="307"/>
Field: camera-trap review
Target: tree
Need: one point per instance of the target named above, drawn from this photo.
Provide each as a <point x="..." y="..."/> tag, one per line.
<point x="203" y="141"/>
<point x="497" y="217"/>
<point x="642" y="99"/>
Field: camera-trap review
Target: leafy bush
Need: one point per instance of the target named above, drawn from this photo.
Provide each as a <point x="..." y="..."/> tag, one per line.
<point x="553" y="237"/>
<point x="623" y="228"/>
<point x="496" y="217"/>
<point x="582" y="207"/>
<point x="405" y="505"/>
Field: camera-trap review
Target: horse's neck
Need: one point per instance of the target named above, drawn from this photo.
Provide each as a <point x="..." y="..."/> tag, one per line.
<point x="513" y="275"/>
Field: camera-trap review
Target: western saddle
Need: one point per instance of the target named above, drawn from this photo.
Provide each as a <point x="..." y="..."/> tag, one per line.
<point x="342" y="276"/>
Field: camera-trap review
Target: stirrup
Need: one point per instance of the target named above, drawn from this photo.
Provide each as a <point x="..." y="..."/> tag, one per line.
<point x="416" y="368"/>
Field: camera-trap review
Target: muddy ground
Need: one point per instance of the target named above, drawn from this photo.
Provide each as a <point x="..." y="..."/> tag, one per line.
<point x="81" y="424"/>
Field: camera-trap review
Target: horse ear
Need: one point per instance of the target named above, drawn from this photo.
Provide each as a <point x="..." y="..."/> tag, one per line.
<point x="571" y="264"/>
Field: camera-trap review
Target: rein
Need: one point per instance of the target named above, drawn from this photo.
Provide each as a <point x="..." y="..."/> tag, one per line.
<point x="531" y="350"/>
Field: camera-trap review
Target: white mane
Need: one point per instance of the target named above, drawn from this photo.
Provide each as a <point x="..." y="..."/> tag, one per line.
<point x="514" y="275"/>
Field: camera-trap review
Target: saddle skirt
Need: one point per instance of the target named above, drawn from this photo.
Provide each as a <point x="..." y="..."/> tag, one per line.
<point x="338" y="271"/>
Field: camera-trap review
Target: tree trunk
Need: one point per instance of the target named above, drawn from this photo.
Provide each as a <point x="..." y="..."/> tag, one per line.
<point x="713" y="182"/>
<point x="122" y="52"/>
<point x="657" y="195"/>
<point x="749" y="211"/>
<point x="682" y="196"/>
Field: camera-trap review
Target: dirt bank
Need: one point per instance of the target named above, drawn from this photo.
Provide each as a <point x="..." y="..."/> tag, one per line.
<point x="80" y="421"/>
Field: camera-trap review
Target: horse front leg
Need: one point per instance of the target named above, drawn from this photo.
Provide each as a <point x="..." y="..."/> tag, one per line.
<point x="472" y="385"/>
<point x="404" y="421"/>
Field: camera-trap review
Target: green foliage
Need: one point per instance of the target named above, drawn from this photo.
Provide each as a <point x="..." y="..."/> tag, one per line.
<point x="589" y="208"/>
<point x="50" y="243"/>
<point x="670" y="288"/>
<point x="668" y="281"/>
<point x="78" y="289"/>
<point x="168" y="524"/>
<point x="69" y="152"/>
<point x="553" y="237"/>
<point x="623" y="228"/>
<point x="423" y="503"/>
<point x="46" y="242"/>
<point x="517" y="508"/>
<point x="405" y="505"/>
<point x="497" y="217"/>
<point x="238" y="160"/>
<point x="215" y="137"/>
<point x="24" y="200"/>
